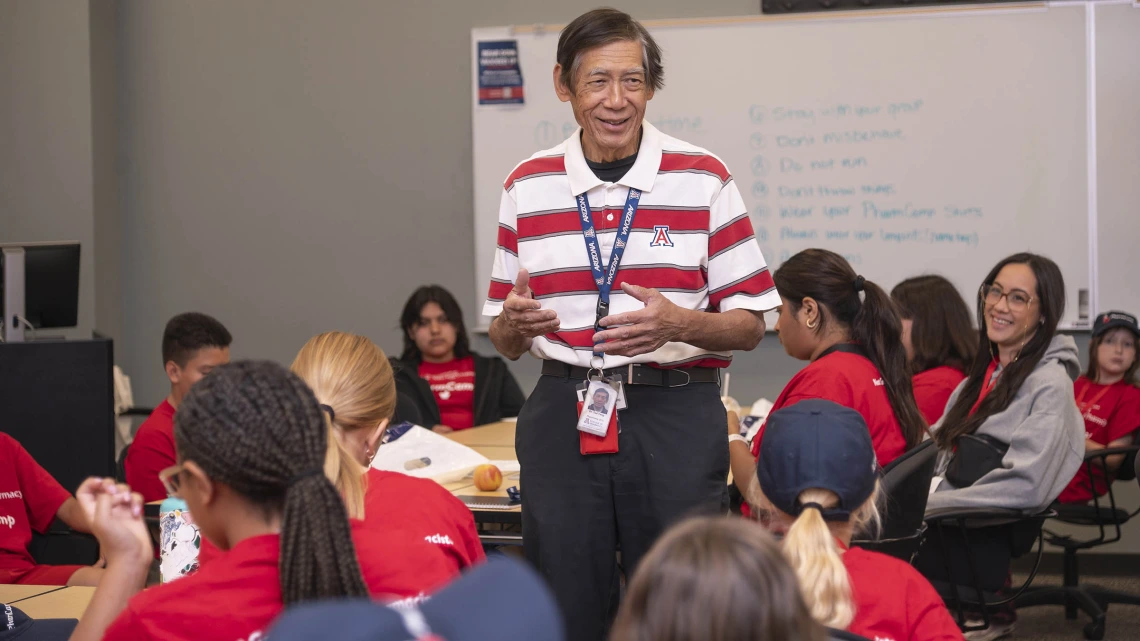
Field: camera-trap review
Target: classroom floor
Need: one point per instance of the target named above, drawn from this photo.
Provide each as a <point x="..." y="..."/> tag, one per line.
<point x="1048" y="623"/>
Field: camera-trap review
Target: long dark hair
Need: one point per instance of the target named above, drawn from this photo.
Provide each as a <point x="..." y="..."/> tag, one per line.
<point x="1093" y="371"/>
<point x="873" y="322"/>
<point x="411" y="316"/>
<point x="257" y="427"/>
<point x="942" y="333"/>
<point x="1050" y="296"/>
<point x="715" y="578"/>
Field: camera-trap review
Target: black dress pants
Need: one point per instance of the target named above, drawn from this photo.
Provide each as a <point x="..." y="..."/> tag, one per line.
<point x="579" y="510"/>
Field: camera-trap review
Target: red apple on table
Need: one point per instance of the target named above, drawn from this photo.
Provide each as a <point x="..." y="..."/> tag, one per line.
<point x="488" y="478"/>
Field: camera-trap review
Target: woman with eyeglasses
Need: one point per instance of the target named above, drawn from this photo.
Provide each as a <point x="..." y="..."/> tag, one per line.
<point x="1011" y="436"/>
<point x="453" y="387"/>
<point x="1108" y="396"/>
<point x="251" y="441"/>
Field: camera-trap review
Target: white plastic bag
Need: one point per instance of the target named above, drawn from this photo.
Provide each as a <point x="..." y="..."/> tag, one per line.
<point x="423" y="453"/>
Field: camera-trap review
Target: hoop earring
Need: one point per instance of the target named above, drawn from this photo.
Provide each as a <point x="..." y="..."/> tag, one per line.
<point x="811" y="325"/>
<point x="368" y="455"/>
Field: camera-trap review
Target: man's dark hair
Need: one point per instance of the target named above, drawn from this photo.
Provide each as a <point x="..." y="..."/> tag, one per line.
<point x="187" y="333"/>
<point x="410" y="318"/>
<point x="601" y="27"/>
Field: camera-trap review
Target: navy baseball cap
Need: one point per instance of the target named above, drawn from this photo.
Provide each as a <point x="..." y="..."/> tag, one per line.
<point x="1112" y="320"/>
<point x="817" y="444"/>
<point x="501" y="599"/>
<point x="17" y="626"/>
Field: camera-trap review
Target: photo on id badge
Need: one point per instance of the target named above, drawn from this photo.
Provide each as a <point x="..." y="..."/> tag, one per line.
<point x="597" y="405"/>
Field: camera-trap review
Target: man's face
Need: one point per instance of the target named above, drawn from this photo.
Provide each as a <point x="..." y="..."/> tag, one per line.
<point x="608" y="93"/>
<point x="200" y="363"/>
<point x="600" y="397"/>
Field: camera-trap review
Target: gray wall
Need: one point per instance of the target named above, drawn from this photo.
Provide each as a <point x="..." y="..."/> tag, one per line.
<point x="45" y="132"/>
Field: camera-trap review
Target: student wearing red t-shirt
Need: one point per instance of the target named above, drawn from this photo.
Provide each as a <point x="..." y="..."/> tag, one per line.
<point x="939" y="339"/>
<point x="30" y="499"/>
<point x="453" y="387"/>
<point x="353" y="380"/>
<point x="193" y="344"/>
<point x="818" y="485"/>
<point x="848" y="329"/>
<point x="252" y="446"/>
<point x="1109" y="400"/>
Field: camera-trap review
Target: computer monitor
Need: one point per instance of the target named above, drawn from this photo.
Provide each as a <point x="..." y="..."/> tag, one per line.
<point x="47" y="294"/>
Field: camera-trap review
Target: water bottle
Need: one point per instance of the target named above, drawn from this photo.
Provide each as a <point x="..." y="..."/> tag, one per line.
<point x="179" y="541"/>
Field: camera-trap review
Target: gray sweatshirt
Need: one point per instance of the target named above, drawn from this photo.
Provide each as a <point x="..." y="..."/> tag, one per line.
<point x="1046" y="437"/>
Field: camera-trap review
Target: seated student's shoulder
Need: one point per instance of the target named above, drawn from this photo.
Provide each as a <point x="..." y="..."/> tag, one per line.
<point x="399" y="566"/>
<point x="830" y="378"/>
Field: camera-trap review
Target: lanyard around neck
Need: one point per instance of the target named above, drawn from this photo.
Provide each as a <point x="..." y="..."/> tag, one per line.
<point x="604" y="279"/>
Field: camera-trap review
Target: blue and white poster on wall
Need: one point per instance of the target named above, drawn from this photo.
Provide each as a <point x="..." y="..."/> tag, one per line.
<point x="500" y="77"/>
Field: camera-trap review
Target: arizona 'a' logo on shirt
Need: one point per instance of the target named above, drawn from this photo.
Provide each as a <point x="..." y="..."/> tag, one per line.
<point x="661" y="236"/>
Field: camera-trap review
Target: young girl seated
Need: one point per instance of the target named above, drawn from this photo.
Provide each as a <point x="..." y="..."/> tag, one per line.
<point x="939" y="339"/>
<point x="1012" y="436"/>
<point x="252" y="442"/>
<point x="30" y="499"/>
<point x="817" y="485"/>
<point x="848" y="329"/>
<point x="714" y="579"/>
<point x="353" y="381"/>
<point x="1109" y="401"/>
<point x="453" y="387"/>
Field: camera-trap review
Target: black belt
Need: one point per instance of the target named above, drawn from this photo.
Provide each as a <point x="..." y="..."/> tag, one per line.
<point x="637" y="374"/>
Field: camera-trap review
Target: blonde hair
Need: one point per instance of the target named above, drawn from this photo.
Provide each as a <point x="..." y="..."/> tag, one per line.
<point x="815" y="555"/>
<point x="714" y="578"/>
<point x="351" y="375"/>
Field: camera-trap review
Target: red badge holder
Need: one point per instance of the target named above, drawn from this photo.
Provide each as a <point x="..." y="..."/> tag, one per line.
<point x="590" y="444"/>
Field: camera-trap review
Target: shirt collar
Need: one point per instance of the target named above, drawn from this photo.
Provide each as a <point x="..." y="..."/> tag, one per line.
<point x="640" y="176"/>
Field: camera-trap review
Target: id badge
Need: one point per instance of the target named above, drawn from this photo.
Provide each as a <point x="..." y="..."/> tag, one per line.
<point x="615" y="382"/>
<point x="597" y="409"/>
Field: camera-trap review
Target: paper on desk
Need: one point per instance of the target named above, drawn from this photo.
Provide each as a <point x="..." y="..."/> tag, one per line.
<point x="423" y="453"/>
<point x="511" y="419"/>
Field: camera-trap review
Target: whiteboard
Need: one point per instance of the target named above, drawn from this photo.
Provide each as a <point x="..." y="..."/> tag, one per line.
<point x="1118" y="156"/>
<point x="911" y="144"/>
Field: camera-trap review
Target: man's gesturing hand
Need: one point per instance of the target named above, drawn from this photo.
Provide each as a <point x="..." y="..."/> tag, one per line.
<point x="644" y="330"/>
<point x="523" y="314"/>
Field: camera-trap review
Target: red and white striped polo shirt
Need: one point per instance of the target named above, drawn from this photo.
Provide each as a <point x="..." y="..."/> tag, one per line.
<point x="692" y="240"/>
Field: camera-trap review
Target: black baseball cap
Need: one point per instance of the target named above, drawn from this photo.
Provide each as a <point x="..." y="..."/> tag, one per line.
<point x="17" y="626"/>
<point x="1112" y="320"/>
<point x="501" y="599"/>
<point x="817" y="444"/>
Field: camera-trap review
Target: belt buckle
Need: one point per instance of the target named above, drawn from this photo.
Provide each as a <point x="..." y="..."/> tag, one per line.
<point x="629" y="374"/>
<point x="688" y="379"/>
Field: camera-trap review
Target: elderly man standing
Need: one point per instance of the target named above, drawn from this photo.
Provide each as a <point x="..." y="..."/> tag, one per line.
<point x="626" y="261"/>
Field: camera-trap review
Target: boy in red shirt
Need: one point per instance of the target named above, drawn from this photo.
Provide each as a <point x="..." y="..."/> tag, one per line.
<point x="192" y="345"/>
<point x="29" y="500"/>
<point x="1109" y="400"/>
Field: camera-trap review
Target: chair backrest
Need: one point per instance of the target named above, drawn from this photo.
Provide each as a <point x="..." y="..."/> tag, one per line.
<point x="906" y="484"/>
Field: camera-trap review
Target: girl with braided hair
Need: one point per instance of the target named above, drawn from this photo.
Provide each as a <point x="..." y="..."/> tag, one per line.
<point x="353" y="380"/>
<point x="251" y="441"/>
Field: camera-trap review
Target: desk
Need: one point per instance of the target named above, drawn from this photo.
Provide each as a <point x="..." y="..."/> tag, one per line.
<point x="53" y="603"/>
<point x="497" y="442"/>
<point x="10" y="593"/>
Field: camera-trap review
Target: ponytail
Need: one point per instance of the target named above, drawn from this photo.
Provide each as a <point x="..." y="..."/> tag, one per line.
<point x="346" y="474"/>
<point x="878" y="329"/>
<point x="258" y="429"/>
<point x="815" y="557"/>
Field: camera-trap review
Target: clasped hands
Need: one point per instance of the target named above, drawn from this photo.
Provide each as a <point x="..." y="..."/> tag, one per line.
<point x="627" y="334"/>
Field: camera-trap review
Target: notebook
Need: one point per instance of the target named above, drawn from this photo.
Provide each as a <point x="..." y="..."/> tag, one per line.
<point x="488" y="502"/>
